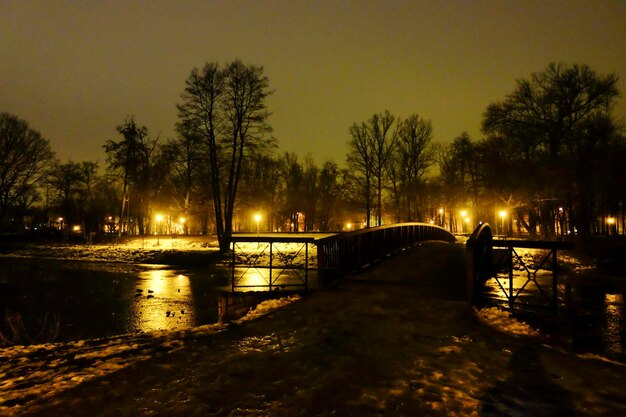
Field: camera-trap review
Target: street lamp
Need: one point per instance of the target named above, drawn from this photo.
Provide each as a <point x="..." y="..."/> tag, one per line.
<point x="257" y="218"/>
<point x="182" y="223"/>
<point x="611" y="222"/>
<point x="502" y="216"/>
<point x="159" y="219"/>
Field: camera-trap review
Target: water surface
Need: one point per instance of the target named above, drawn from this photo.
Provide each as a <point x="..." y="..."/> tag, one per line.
<point x="90" y="300"/>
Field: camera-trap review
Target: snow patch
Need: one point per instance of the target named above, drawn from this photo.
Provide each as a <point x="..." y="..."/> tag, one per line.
<point x="267" y="306"/>
<point x="504" y="322"/>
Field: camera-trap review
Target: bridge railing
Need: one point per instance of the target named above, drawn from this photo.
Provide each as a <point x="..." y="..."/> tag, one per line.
<point x="341" y="254"/>
<point x="488" y="256"/>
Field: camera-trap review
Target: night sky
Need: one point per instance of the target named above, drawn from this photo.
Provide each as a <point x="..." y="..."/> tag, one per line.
<point x="75" y="70"/>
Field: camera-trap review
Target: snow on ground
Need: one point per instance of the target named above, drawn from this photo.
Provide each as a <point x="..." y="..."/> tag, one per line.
<point x="504" y="321"/>
<point x="378" y="344"/>
<point x="39" y="372"/>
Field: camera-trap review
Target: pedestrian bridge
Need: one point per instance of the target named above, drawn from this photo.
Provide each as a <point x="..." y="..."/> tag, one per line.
<point x="288" y="261"/>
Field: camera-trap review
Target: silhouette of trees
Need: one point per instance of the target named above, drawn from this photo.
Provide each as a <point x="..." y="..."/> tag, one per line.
<point x="411" y="157"/>
<point x="73" y="187"/>
<point x="134" y="159"/>
<point x="292" y="176"/>
<point x="226" y="108"/>
<point x="24" y="160"/>
<point x="65" y="182"/>
<point x="261" y="191"/>
<point x="370" y="148"/>
<point x="183" y="160"/>
<point x="331" y="201"/>
<point x="360" y="161"/>
<point x="559" y="121"/>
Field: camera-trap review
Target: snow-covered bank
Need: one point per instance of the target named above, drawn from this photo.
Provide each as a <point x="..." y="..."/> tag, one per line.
<point x="148" y="250"/>
<point x="394" y="340"/>
<point x="38" y="372"/>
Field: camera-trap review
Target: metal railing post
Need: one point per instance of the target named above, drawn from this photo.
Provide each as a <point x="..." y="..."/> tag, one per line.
<point x="555" y="299"/>
<point x="510" y="255"/>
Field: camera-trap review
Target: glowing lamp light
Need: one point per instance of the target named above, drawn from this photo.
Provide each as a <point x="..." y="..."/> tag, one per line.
<point x="467" y="220"/>
<point x="348" y="226"/>
<point x="257" y="218"/>
<point x="503" y="213"/>
<point x="464" y="214"/>
<point x="76" y="228"/>
<point x="159" y="217"/>
<point x="182" y="220"/>
<point x="611" y="220"/>
<point x="440" y="211"/>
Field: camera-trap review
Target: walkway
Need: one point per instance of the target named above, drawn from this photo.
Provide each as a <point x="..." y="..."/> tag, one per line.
<point x="396" y="339"/>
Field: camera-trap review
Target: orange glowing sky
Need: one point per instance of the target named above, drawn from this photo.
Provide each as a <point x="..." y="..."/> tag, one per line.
<point x="75" y="70"/>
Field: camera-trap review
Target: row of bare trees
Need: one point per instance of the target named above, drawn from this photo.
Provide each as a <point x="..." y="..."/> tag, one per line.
<point x="551" y="154"/>
<point x="390" y="156"/>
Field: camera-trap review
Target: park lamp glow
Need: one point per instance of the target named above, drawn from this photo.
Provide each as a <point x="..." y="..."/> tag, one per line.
<point x="159" y="219"/>
<point x="610" y="220"/>
<point x="463" y="214"/>
<point x="348" y="226"/>
<point x="503" y="213"/>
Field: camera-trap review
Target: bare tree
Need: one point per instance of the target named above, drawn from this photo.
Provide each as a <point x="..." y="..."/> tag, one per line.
<point x="226" y="108"/>
<point x="24" y="160"/>
<point x="563" y="115"/>
<point x="371" y="146"/>
<point x="361" y="164"/>
<point x="412" y="155"/>
<point x="383" y="137"/>
<point x="134" y="157"/>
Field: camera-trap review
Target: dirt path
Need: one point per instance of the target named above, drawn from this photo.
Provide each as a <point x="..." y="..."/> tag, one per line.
<point x="396" y="339"/>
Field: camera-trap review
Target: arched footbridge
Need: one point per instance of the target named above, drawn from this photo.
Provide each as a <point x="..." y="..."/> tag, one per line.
<point x="278" y="261"/>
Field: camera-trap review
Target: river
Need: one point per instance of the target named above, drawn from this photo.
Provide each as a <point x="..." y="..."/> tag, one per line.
<point x="591" y="313"/>
<point x="76" y="300"/>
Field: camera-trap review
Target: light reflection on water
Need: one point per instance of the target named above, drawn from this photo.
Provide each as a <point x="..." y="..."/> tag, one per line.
<point x="99" y="300"/>
<point x="258" y="279"/>
<point x="163" y="300"/>
<point x="594" y="315"/>
<point x="616" y="322"/>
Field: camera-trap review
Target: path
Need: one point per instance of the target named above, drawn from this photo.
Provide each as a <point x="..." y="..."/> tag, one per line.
<point x="396" y="339"/>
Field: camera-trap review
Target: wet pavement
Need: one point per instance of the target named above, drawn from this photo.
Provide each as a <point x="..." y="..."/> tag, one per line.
<point x="396" y="339"/>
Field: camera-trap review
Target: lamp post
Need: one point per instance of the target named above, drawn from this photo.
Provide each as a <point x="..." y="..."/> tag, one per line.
<point x="502" y="216"/>
<point x="257" y="218"/>
<point x="159" y="219"/>
<point x="611" y="222"/>
<point x="463" y="221"/>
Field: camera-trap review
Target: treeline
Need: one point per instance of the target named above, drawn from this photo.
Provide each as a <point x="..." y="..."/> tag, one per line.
<point x="550" y="162"/>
